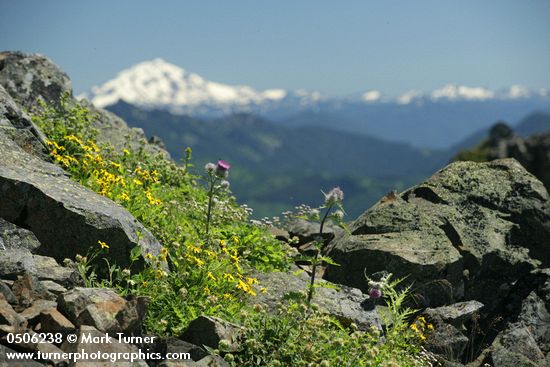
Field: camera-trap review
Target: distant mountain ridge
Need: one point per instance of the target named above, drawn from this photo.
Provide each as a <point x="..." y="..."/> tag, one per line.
<point x="436" y="119"/>
<point x="159" y="84"/>
<point x="274" y="167"/>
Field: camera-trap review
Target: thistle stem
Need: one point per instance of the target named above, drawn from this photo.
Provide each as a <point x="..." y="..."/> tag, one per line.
<point x="209" y="212"/>
<point x="315" y="261"/>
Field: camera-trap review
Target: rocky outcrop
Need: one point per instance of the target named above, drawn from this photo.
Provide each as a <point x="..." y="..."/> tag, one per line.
<point x="468" y="232"/>
<point x="38" y="196"/>
<point x="30" y="77"/>
<point x="473" y="231"/>
<point x="532" y="152"/>
<point x="18" y="126"/>
<point x="349" y="305"/>
<point x="41" y="209"/>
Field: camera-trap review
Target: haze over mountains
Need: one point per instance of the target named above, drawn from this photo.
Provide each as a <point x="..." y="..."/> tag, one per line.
<point x="436" y="119"/>
<point x="287" y="145"/>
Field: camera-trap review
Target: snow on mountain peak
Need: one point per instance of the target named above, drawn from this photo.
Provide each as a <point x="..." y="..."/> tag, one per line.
<point x="453" y="92"/>
<point x="158" y="83"/>
<point x="410" y="96"/>
<point x="371" y="96"/>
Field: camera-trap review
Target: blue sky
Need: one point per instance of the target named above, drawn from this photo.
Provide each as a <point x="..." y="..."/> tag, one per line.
<point x="336" y="47"/>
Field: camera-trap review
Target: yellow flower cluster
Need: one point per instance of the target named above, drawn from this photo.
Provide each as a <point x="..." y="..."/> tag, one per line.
<point x="146" y="175"/>
<point x="422" y="328"/>
<point x="107" y="177"/>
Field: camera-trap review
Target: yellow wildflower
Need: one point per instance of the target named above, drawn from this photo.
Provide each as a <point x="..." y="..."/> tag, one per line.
<point x="194" y="249"/>
<point x="103" y="244"/>
<point x="251" y="281"/>
<point x="228" y="276"/>
<point x="210" y="253"/>
<point x="211" y="276"/>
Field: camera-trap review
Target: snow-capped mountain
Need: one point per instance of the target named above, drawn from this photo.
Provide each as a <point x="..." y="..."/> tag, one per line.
<point x="160" y="84"/>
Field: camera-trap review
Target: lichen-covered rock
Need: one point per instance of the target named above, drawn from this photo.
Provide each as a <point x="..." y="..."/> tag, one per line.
<point x="461" y="234"/>
<point x="525" y="342"/>
<point x="5" y="290"/>
<point x="456" y="314"/>
<point x="28" y="289"/>
<point x="174" y="345"/>
<point x="30" y="77"/>
<point x="37" y="196"/>
<point x="19" y="127"/>
<point x="103" y="309"/>
<point x="32" y="313"/>
<point x="10" y="320"/>
<point x="18" y="261"/>
<point x="12" y="236"/>
<point x="344" y="303"/>
<point x="210" y="331"/>
<point x="52" y="321"/>
<point x="447" y="341"/>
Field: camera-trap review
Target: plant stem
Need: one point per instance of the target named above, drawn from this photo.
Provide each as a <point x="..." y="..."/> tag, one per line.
<point x="209" y="213"/>
<point x="315" y="261"/>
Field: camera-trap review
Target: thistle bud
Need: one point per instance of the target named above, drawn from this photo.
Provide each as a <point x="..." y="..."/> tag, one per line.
<point x="210" y="168"/>
<point x="224" y="184"/>
<point x="339" y="214"/>
<point x="336" y="195"/>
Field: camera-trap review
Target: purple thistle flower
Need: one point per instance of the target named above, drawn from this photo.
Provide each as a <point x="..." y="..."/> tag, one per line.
<point x="222" y="169"/>
<point x="375" y="293"/>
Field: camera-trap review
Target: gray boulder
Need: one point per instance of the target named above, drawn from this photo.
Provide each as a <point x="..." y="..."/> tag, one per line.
<point x="103" y="309"/>
<point x="28" y="78"/>
<point x="210" y="331"/>
<point x="12" y="236"/>
<point x="19" y="126"/>
<point x="468" y="232"/>
<point x="525" y="342"/>
<point x="37" y="196"/>
<point x="456" y="314"/>
<point x="345" y="303"/>
<point x="18" y="261"/>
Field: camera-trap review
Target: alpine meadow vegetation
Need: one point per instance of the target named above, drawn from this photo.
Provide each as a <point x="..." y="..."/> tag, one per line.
<point x="210" y="251"/>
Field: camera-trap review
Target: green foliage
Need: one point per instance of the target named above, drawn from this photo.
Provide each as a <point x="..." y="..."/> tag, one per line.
<point x="299" y="335"/>
<point x="479" y="153"/>
<point x="194" y="275"/>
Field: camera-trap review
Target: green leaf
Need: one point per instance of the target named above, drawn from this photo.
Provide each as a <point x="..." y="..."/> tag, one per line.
<point x="135" y="253"/>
